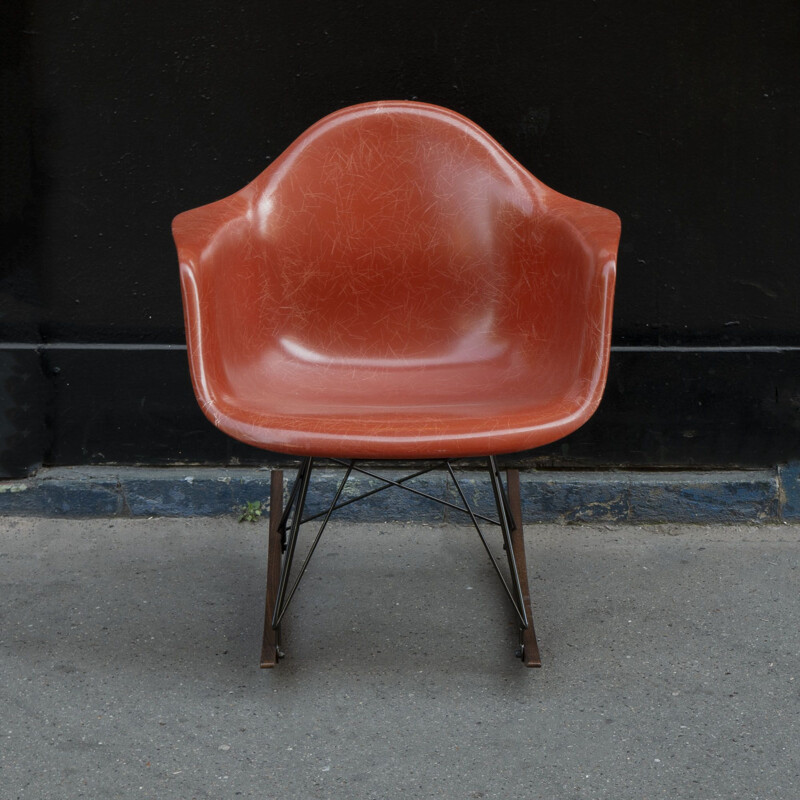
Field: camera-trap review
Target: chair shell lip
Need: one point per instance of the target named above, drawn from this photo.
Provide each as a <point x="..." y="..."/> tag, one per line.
<point x="398" y="436"/>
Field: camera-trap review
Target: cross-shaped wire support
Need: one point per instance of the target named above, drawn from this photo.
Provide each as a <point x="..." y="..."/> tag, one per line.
<point x="284" y="527"/>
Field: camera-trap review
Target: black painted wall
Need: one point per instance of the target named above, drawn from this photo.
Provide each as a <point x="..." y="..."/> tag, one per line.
<point x="683" y="117"/>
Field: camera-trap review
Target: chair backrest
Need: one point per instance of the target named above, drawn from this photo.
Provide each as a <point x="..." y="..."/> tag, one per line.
<point x="393" y="230"/>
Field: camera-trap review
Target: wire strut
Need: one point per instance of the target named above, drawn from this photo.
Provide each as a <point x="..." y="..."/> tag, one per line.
<point x="296" y="505"/>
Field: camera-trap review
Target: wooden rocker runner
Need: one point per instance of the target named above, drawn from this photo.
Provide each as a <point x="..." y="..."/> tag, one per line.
<point x="395" y="286"/>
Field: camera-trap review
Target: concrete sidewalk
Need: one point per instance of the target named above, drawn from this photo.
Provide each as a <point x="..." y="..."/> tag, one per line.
<point x="129" y="664"/>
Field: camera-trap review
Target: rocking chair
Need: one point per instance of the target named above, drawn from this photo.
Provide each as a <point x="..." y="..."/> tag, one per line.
<point x="396" y="286"/>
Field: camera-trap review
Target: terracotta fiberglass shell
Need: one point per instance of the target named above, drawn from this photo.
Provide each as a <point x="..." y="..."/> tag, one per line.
<point x="396" y="285"/>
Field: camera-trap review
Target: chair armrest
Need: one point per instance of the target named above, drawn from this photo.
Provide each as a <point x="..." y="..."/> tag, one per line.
<point x="194" y="230"/>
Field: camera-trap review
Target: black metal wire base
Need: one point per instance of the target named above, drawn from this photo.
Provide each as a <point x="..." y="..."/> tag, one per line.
<point x="287" y="528"/>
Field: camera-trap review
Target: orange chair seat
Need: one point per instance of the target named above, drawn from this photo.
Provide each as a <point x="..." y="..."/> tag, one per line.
<point x="290" y="402"/>
<point x="395" y="285"/>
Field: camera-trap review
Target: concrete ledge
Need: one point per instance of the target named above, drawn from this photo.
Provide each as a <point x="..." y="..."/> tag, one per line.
<point x="789" y="480"/>
<point x="564" y="497"/>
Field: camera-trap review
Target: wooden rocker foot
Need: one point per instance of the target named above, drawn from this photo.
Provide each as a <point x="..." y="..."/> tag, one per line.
<point x="528" y="646"/>
<point x="270" y="645"/>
